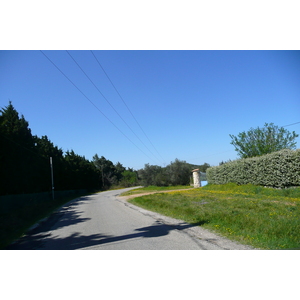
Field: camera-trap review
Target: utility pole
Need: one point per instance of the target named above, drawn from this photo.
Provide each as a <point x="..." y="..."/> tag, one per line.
<point x="51" y="166"/>
<point x="102" y="176"/>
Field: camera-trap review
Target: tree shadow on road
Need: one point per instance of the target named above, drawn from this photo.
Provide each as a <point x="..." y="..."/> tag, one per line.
<point x="65" y="216"/>
<point x="78" y="241"/>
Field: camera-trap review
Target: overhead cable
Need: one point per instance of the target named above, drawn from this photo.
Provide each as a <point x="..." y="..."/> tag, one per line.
<point x="126" y="105"/>
<point x="92" y="103"/>
<point x="291" y="124"/>
<point x="108" y="102"/>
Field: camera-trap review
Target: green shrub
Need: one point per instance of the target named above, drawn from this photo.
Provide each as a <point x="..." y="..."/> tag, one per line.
<point x="279" y="169"/>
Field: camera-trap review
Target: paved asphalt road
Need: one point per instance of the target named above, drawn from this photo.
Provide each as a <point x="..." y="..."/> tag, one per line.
<point x="105" y="221"/>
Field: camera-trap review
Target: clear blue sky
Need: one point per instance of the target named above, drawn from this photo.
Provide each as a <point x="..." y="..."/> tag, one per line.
<point x="187" y="102"/>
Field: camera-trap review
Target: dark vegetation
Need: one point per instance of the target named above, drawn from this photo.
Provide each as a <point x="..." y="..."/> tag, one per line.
<point x="25" y="162"/>
<point x="176" y="173"/>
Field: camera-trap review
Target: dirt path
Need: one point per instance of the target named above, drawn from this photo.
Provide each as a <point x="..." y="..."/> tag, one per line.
<point x="149" y="193"/>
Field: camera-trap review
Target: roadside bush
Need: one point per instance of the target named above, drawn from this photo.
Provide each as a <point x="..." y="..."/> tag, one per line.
<point x="278" y="169"/>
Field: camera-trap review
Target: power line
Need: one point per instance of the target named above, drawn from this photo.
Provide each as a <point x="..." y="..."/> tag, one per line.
<point x="291" y="124"/>
<point x="108" y="102"/>
<point x="92" y="102"/>
<point x="126" y="105"/>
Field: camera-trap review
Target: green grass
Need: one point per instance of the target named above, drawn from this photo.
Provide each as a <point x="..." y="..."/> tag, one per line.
<point x="152" y="188"/>
<point x="262" y="217"/>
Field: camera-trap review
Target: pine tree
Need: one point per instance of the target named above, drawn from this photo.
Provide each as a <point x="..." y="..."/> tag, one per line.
<point x="16" y="152"/>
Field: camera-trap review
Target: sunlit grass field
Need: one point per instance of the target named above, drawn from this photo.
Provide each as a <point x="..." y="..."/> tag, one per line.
<point x="265" y="218"/>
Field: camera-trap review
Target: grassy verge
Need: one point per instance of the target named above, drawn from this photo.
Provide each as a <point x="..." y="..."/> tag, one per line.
<point x="15" y="222"/>
<point x="262" y="217"/>
<point x="155" y="189"/>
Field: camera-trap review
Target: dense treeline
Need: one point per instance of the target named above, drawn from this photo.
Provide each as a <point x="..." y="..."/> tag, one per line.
<point x="114" y="174"/>
<point x="25" y="162"/>
<point x="176" y="173"/>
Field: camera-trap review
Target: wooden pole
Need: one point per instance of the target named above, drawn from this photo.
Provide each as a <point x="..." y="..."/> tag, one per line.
<point x="51" y="166"/>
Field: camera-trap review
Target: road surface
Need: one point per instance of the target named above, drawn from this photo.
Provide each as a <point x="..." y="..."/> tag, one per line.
<point x="106" y="221"/>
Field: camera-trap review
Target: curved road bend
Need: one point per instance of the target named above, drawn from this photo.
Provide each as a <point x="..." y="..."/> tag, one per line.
<point x="105" y="221"/>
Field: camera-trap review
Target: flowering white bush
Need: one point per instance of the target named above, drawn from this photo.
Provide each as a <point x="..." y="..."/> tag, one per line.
<point x="278" y="169"/>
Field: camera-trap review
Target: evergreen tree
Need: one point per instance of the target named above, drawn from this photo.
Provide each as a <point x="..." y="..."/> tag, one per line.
<point x="178" y="172"/>
<point x="129" y="178"/>
<point x="106" y="169"/>
<point x="46" y="149"/>
<point x="153" y="175"/>
<point x="25" y="160"/>
<point x="81" y="173"/>
<point x="17" y="153"/>
<point x="119" y="169"/>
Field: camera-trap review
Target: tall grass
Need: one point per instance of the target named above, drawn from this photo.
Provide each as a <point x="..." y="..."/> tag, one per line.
<point x="262" y="217"/>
